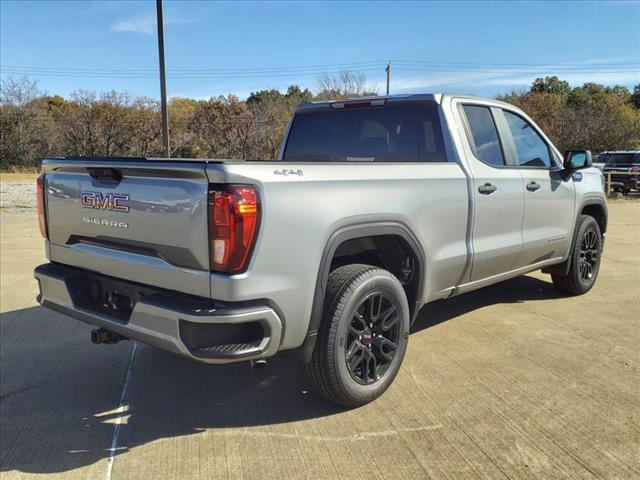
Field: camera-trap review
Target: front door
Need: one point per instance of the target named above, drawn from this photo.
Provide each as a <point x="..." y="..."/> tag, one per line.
<point x="548" y="199"/>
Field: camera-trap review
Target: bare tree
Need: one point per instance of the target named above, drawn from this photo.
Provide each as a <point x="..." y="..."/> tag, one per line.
<point x="18" y="92"/>
<point x="115" y="123"/>
<point x="222" y="126"/>
<point x="146" y="141"/>
<point x="343" y="85"/>
<point x="34" y="125"/>
<point x="20" y="142"/>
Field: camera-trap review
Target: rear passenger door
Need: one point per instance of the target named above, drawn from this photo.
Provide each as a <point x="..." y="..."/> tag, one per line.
<point x="498" y="193"/>
<point x="548" y="199"/>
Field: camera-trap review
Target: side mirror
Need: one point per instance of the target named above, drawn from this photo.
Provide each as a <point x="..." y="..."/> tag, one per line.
<point x="576" y="159"/>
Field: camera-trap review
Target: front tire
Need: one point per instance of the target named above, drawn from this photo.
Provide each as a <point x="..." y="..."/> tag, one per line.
<point x="363" y="335"/>
<point x="584" y="259"/>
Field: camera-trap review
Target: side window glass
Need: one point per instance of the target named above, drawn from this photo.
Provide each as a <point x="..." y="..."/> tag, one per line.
<point x="485" y="135"/>
<point x="531" y="149"/>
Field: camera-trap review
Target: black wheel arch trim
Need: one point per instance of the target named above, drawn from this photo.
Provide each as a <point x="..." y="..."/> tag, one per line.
<point x="563" y="268"/>
<point x="350" y="232"/>
<point x="596" y="201"/>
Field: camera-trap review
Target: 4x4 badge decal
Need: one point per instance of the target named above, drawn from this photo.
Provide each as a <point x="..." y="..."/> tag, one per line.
<point x="287" y="171"/>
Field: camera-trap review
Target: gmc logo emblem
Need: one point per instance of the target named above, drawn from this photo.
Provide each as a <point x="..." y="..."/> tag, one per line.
<point x="105" y="201"/>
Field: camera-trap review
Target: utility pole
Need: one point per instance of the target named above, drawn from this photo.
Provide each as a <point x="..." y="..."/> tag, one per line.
<point x="163" y="83"/>
<point x="388" y="70"/>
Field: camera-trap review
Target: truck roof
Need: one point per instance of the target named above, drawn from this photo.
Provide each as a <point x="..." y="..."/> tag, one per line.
<point x="612" y="152"/>
<point x="417" y="97"/>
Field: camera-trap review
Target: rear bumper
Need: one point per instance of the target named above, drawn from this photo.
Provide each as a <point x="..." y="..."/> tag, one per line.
<point x="194" y="327"/>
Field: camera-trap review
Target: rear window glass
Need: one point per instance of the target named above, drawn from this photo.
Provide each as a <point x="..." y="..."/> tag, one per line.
<point x="393" y="133"/>
<point x="619" y="158"/>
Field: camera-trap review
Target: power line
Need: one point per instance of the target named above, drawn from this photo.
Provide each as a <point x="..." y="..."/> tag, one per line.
<point x="398" y="67"/>
<point x="282" y="71"/>
<point x="298" y="72"/>
<point x="335" y="65"/>
<point x="275" y="69"/>
<point x="16" y="71"/>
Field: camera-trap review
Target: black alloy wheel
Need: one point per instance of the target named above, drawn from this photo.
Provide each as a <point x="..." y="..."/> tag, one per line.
<point x="584" y="259"/>
<point x="372" y="338"/>
<point x="589" y="255"/>
<point x="363" y="335"/>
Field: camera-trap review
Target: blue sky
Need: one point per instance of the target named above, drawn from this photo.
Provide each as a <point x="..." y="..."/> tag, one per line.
<point x="219" y="48"/>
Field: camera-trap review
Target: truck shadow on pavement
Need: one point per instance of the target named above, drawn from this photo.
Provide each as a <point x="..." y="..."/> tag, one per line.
<point x="59" y="394"/>
<point x="517" y="290"/>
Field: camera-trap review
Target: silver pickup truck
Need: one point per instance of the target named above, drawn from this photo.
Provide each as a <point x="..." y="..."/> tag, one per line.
<point x="376" y="207"/>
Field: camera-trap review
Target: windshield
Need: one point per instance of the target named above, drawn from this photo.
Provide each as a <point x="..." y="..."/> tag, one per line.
<point x="407" y="132"/>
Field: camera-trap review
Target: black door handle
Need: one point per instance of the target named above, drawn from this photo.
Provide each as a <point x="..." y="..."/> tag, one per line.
<point x="533" y="186"/>
<point x="487" y="189"/>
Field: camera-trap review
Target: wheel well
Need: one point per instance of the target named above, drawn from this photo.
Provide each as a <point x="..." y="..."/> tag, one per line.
<point x="598" y="213"/>
<point x="391" y="252"/>
<point x="387" y="246"/>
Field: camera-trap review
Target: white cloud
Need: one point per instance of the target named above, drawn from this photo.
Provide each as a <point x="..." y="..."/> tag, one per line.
<point x="589" y="71"/>
<point x="146" y="24"/>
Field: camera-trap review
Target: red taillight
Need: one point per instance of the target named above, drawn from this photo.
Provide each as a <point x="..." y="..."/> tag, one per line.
<point x="42" y="218"/>
<point x="234" y="213"/>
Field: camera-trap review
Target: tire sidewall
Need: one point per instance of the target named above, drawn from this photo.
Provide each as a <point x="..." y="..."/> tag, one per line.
<point x="381" y="282"/>
<point x="588" y="224"/>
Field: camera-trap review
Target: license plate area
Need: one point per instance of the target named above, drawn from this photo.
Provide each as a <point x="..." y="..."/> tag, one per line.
<point x="105" y="296"/>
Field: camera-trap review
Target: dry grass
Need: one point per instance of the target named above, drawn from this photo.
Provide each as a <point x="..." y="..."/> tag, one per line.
<point x="16" y="169"/>
<point x="23" y="175"/>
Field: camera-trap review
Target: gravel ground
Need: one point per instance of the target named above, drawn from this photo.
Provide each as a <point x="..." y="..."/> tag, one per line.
<point x="18" y="194"/>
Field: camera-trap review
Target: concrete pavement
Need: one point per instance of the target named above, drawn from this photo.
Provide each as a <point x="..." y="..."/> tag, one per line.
<point x="513" y="381"/>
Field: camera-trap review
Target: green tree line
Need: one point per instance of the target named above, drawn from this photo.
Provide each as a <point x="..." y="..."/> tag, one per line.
<point x="34" y="125"/>
<point x="592" y="116"/>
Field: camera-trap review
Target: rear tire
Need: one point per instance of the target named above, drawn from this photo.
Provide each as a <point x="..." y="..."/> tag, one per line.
<point x="584" y="259"/>
<point x="363" y="335"/>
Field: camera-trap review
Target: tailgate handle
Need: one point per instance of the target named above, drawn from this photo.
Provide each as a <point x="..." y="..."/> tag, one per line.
<point x="105" y="174"/>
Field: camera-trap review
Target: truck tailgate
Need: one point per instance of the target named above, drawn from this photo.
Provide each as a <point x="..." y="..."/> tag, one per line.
<point x="135" y="219"/>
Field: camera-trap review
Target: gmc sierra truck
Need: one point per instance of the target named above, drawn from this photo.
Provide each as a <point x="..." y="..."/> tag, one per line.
<point x="376" y="207"/>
